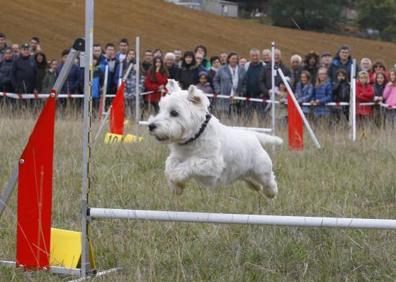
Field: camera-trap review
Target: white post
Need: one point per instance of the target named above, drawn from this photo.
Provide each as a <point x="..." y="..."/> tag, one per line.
<point x="273" y="73"/>
<point x="137" y="91"/>
<point x="106" y="78"/>
<point x="86" y="179"/>
<point x="310" y="131"/>
<point x="353" y="98"/>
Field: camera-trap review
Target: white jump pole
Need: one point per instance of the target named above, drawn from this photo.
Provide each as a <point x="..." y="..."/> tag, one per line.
<point x="104" y="93"/>
<point x="306" y="123"/>
<point x="273" y="73"/>
<point x="86" y="178"/>
<point x="223" y="218"/>
<point x="353" y="96"/>
<point x="137" y="93"/>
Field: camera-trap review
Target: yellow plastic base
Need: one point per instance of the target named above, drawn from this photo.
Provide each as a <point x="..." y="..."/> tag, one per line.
<point x="111" y="138"/>
<point x="66" y="249"/>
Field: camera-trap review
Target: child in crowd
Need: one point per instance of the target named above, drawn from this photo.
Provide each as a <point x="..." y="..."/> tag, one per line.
<point x="304" y="90"/>
<point x="379" y="86"/>
<point x="341" y="93"/>
<point x="390" y="96"/>
<point x="203" y="84"/>
<point x="390" y="90"/>
<point x="378" y="67"/>
<point x="50" y="77"/>
<point x="281" y="96"/>
<point x="364" y="94"/>
<point x="323" y="94"/>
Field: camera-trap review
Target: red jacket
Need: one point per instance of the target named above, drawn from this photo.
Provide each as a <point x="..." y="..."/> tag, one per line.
<point x="364" y="94"/>
<point x="154" y="86"/>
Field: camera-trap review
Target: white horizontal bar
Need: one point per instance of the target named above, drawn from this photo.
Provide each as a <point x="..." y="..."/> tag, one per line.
<point x="241" y="98"/>
<point x="258" y="129"/>
<point x="340" y="104"/>
<point x="222" y="218"/>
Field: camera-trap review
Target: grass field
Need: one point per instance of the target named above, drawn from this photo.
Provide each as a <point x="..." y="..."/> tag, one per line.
<point x="341" y="179"/>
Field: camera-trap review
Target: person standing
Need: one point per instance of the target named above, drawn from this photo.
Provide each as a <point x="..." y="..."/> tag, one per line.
<point x="3" y="45"/>
<point x="24" y="72"/>
<point x="230" y="80"/>
<point x="343" y="60"/>
<point x="74" y="78"/>
<point x="189" y="73"/>
<point x="50" y="77"/>
<point x="173" y="69"/>
<point x="5" y="71"/>
<point x="156" y="80"/>
<point x="253" y="90"/>
<point x="42" y="65"/>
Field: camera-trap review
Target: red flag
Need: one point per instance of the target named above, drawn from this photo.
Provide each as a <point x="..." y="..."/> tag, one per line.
<point x="296" y="129"/>
<point x="117" y="111"/>
<point x="35" y="193"/>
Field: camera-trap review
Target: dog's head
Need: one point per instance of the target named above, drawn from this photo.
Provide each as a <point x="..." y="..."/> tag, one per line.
<point x="180" y="116"/>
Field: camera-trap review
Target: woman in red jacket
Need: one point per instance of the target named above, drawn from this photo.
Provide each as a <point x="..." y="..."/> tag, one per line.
<point x="156" y="80"/>
<point x="364" y="94"/>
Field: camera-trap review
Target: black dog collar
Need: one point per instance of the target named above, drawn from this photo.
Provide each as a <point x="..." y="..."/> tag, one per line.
<point x="201" y="130"/>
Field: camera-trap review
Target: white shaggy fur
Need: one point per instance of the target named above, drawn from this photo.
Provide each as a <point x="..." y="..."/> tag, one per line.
<point x="219" y="156"/>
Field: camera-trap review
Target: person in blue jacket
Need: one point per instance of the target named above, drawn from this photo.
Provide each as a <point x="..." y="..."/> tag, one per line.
<point x="323" y="93"/>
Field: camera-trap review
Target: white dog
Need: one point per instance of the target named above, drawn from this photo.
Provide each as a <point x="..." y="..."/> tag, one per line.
<point x="204" y="149"/>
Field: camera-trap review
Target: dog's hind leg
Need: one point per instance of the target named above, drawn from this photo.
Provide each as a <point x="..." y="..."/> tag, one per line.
<point x="268" y="184"/>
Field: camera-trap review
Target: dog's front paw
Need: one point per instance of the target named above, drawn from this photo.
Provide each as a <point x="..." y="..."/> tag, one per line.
<point x="176" y="188"/>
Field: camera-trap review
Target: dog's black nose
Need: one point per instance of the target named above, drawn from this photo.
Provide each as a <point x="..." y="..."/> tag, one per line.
<point x="152" y="126"/>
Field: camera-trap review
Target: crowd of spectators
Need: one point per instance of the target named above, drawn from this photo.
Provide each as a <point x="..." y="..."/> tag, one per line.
<point x="315" y="78"/>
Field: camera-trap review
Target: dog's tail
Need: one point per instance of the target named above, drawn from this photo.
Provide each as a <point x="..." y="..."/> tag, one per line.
<point x="268" y="139"/>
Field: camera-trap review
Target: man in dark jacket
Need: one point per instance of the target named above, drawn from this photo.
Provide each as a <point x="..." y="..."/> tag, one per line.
<point x="74" y="78"/>
<point x="253" y="73"/>
<point x="342" y="60"/>
<point x="3" y="45"/>
<point x="24" y="72"/>
<point x="5" y="71"/>
<point x="173" y="69"/>
<point x="266" y="78"/>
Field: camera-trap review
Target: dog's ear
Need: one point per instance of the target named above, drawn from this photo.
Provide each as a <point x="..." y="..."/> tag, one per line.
<point x="193" y="95"/>
<point x="172" y="86"/>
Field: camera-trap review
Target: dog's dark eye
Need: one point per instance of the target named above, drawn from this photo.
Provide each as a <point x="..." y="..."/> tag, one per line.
<point x="174" y="113"/>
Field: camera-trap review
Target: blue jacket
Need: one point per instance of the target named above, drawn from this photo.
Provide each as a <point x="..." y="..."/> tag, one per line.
<point x="304" y="94"/>
<point x="323" y="93"/>
<point x="336" y="64"/>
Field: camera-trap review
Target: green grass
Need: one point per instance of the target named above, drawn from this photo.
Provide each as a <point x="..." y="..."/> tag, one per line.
<point x="341" y="179"/>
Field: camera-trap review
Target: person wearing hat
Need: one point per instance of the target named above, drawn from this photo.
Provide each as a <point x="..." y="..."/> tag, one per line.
<point x="311" y="64"/>
<point x="24" y="72"/>
<point x="204" y="84"/>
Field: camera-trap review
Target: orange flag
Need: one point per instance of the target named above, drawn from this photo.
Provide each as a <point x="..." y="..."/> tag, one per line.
<point x="117" y="111"/>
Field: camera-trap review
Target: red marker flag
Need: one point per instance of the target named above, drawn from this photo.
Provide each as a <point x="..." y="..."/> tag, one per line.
<point x="35" y="193"/>
<point x="117" y="111"/>
<point x="296" y="127"/>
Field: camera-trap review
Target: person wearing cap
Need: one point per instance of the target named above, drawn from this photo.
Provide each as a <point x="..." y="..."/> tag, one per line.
<point x="24" y="72"/>
<point x="203" y="84"/>
<point x="325" y="59"/>
<point x="5" y="71"/>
